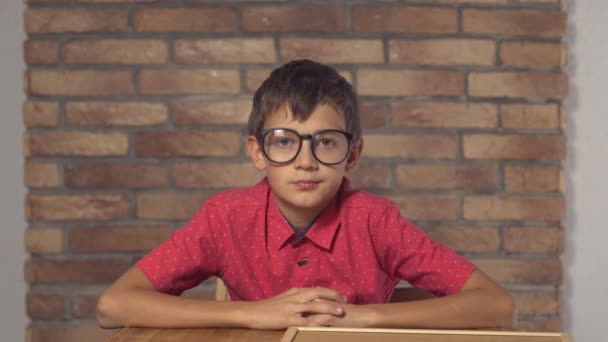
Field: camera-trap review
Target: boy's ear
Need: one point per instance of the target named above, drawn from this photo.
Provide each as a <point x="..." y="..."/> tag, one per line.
<point x="256" y="154"/>
<point x="355" y="154"/>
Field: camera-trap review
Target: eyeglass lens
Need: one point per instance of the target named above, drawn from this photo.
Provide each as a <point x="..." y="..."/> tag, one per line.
<point x="329" y="147"/>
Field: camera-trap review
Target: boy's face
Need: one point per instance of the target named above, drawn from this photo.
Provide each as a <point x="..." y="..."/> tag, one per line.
<point x="304" y="186"/>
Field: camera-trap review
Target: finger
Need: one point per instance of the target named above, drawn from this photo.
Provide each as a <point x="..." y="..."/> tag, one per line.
<point x="322" y="319"/>
<point x="322" y="293"/>
<point x="328" y="308"/>
<point x="291" y="291"/>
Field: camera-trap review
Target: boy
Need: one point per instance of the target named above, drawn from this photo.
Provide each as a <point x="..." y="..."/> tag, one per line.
<point x="300" y="248"/>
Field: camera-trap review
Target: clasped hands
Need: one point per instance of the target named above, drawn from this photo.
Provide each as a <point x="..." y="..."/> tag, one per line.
<point x="309" y="307"/>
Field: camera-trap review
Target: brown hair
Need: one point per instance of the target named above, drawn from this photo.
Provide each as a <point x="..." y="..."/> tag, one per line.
<point x="302" y="85"/>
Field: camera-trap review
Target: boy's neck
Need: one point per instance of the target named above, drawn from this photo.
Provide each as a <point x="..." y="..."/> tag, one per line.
<point x="298" y="218"/>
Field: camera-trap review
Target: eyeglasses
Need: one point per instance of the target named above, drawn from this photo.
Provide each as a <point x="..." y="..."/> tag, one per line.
<point x="282" y="145"/>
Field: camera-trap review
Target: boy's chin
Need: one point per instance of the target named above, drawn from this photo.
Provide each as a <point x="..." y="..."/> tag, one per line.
<point x="305" y="204"/>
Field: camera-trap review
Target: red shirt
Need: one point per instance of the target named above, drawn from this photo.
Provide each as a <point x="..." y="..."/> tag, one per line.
<point x="359" y="245"/>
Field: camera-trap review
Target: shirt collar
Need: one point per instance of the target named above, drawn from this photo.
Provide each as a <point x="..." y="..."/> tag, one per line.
<point x="322" y="232"/>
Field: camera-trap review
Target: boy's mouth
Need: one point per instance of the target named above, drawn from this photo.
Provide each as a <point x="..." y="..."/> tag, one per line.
<point x="306" y="184"/>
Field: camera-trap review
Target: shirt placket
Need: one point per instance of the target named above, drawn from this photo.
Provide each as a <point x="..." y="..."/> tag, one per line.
<point x="305" y="263"/>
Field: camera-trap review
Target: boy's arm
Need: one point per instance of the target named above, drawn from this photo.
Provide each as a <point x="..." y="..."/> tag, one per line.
<point x="480" y="304"/>
<point x="133" y="301"/>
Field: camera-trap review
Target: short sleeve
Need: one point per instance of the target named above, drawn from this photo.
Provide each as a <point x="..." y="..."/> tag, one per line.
<point x="188" y="257"/>
<point x="407" y="253"/>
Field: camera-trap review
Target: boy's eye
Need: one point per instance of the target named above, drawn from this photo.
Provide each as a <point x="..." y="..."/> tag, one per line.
<point x="325" y="142"/>
<point x="282" y="142"/>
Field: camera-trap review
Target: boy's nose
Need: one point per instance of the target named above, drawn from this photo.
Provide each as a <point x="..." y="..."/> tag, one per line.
<point x="305" y="159"/>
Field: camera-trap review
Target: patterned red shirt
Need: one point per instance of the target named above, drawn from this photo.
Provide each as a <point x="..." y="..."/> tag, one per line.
<point x="359" y="245"/>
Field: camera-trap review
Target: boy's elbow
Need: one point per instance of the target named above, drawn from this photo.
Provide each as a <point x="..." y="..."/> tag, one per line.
<point x="507" y="311"/>
<point x="107" y="307"/>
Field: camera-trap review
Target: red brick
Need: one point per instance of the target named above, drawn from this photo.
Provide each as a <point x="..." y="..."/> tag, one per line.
<point x="115" y="113"/>
<point x="518" y="84"/>
<point x="440" y="114"/>
<point x="46" y="1"/>
<point x="84" y="305"/>
<point x="40" y="113"/>
<point x="255" y="77"/>
<point x="537" y="208"/>
<point x="531" y="116"/>
<point x="368" y="175"/>
<point x="67" y="333"/>
<point x="75" y="20"/>
<point x="453" y="177"/>
<point x="76" y="207"/>
<point x="215" y="175"/>
<point x="42" y="175"/>
<point x="533" y="239"/>
<point x="431" y="146"/>
<point x="115" y="51"/>
<point x="532" y="178"/>
<point x="41" y="52"/>
<point x="117" y="1"/>
<point x="523" y="271"/>
<point x="537" y="303"/>
<point x="183" y="19"/>
<point x="467" y="239"/>
<point x="117" y="239"/>
<point x="188" y="81"/>
<point x="442" y="52"/>
<point x="294" y="19"/>
<point x="90" y="271"/>
<point x="186" y="143"/>
<point x="225" y="50"/>
<point x="514" y="22"/>
<point x="373" y="114"/>
<point x="76" y="144"/>
<point x="212" y="112"/>
<point x="44" y="240"/>
<point x="486" y="146"/>
<point x="45" y="306"/>
<point x="168" y="206"/>
<point x="376" y="82"/>
<point x="204" y="1"/>
<point x="532" y="54"/>
<point x="80" y="82"/>
<point x="562" y="181"/>
<point x="116" y="175"/>
<point x="339" y="51"/>
<point x="563" y="117"/>
<point x="427" y="207"/>
<point x="499" y="2"/>
<point x="405" y="19"/>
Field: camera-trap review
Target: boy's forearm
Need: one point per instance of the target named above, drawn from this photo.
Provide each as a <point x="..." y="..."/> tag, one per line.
<point x="146" y="308"/>
<point x="469" y="309"/>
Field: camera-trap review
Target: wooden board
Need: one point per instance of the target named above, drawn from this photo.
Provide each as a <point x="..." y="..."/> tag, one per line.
<point x="298" y="334"/>
<point x="194" y="335"/>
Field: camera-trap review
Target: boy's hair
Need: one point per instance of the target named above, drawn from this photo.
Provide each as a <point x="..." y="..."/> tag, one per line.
<point x="302" y="85"/>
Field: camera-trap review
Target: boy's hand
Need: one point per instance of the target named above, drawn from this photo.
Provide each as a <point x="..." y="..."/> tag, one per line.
<point x="355" y="316"/>
<point x="295" y="307"/>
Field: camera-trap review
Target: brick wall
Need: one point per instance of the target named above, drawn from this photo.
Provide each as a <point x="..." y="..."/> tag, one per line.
<point x="135" y="115"/>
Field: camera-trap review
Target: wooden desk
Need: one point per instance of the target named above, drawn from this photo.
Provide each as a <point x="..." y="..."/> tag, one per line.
<point x="331" y="334"/>
<point x="195" y="335"/>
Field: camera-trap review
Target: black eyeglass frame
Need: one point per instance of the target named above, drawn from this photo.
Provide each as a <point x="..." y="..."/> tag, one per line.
<point x="262" y="136"/>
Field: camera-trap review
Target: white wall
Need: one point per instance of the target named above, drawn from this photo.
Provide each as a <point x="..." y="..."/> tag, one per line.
<point x="12" y="191"/>
<point x="586" y="259"/>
